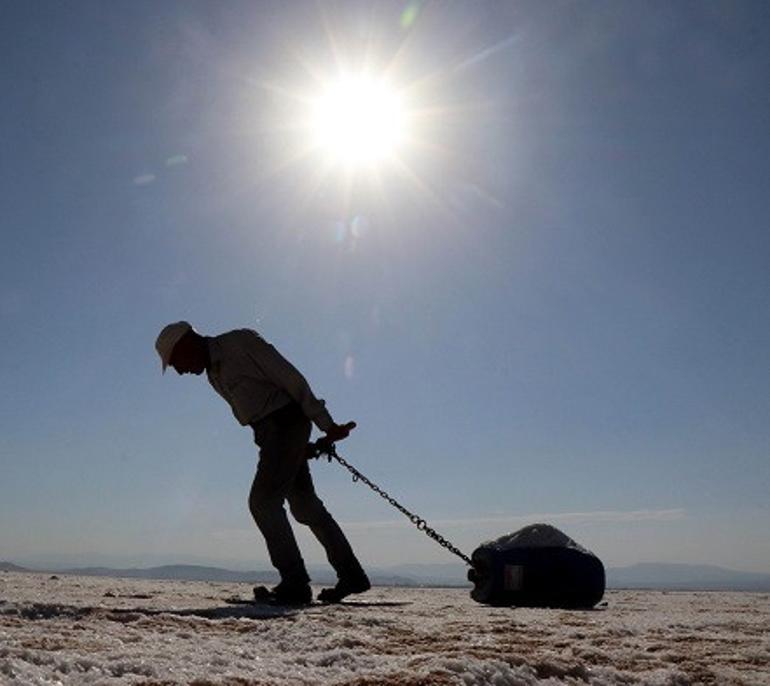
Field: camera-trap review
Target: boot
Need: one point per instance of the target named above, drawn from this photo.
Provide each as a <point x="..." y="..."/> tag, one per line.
<point x="284" y="594"/>
<point x="347" y="585"/>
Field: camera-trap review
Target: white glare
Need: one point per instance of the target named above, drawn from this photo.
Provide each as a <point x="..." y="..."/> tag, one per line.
<point x="358" y="120"/>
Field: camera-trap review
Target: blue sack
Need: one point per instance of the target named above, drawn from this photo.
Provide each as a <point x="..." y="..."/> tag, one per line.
<point x="537" y="566"/>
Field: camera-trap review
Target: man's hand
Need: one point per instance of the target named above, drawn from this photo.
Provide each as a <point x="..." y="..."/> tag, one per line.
<point x="339" y="431"/>
<point x="324" y="444"/>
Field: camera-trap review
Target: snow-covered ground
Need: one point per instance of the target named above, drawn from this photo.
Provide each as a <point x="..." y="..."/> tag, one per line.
<point x="84" y="630"/>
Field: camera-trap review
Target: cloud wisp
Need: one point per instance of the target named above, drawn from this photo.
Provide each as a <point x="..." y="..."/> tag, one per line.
<point x="594" y="517"/>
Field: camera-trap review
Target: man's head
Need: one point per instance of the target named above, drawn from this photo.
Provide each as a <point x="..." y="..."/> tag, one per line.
<point x="180" y="346"/>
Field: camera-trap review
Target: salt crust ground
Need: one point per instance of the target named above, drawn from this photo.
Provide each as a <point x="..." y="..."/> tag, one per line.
<point x="80" y="630"/>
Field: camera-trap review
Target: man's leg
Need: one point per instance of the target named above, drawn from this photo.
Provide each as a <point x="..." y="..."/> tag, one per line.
<point x="282" y="440"/>
<point x="308" y="509"/>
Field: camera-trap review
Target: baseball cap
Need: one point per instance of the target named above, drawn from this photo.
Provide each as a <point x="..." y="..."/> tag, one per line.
<point x="168" y="338"/>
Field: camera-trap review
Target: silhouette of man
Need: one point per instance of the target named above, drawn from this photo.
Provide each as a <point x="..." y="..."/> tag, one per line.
<point x="268" y="394"/>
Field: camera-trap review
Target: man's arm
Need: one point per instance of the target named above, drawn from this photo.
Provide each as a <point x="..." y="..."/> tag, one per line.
<point x="286" y="376"/>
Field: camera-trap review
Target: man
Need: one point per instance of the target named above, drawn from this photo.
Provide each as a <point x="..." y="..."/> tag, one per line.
<point x="267" y="393"/>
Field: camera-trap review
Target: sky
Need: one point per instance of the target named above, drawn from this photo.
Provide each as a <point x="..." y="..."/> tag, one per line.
<point x="550" y="303"/>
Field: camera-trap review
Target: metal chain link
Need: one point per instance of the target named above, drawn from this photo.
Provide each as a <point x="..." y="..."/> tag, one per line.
<point x="331" y="453"/>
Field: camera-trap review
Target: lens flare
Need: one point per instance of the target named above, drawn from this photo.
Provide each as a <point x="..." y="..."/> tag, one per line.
<point x="350" y="367"/>
<point x="410" y="14"/>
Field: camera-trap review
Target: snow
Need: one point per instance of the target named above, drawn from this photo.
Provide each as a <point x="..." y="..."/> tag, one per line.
<point x="89" y="630"/>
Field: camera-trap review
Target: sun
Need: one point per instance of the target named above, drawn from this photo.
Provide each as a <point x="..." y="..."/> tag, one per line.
<point x="358" y="121"/>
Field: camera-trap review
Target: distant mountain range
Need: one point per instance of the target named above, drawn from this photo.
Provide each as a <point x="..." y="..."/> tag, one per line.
<point x="653" y="576"/>
<point x="203" y="573"/>
<point x="8" y="567"/>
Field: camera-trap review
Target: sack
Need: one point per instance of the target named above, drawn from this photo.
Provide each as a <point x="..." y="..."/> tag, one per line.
<point x="537" y="566"/>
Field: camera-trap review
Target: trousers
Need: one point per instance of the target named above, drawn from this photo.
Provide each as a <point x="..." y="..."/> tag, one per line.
<point x="283" y="475"/>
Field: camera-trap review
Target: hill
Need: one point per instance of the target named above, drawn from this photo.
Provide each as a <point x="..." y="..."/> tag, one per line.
<point x="10" y="567"/>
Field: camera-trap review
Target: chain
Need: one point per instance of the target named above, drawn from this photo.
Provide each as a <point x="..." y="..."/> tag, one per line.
<point x="331" y="453"/>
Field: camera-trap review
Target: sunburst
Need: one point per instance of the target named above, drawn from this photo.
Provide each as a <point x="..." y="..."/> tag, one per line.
<point x="357" y="120"/>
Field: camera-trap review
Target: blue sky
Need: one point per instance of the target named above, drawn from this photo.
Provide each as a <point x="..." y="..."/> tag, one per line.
<point x="555" y="308"/>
